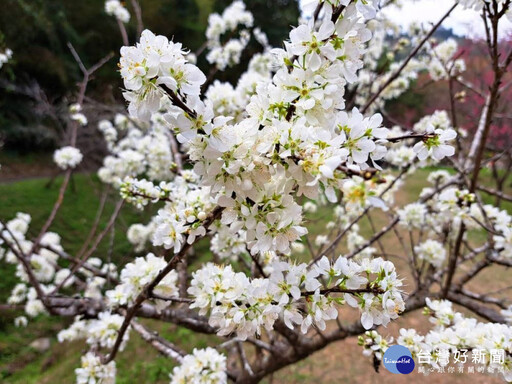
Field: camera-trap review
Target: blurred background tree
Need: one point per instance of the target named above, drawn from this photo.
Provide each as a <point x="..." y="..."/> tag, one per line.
<point x="42" y="76"/>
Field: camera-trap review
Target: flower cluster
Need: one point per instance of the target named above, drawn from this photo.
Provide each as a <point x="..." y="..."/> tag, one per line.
<point x="20" y="322"/>
<point x="45" y="266"/>
<point x="141" y="192"/>
<point x="116" y="9"/>
<point x="501" y="220"/>
<point x="378" y="58"/>
<point x="154" y="62"/>
<point x="439" y="213"/>
<point x="438" y="132"/>
<point x="136" y="148"/>
<point x="294" y="293"/>
<point x="75" y="111"/>
<point x="413" y="215"/>
<point x="182" y="219"/>
<point x="432" y="252"/>
<point x="92" y="371"/>
<point x="135" y="276"/>
<point x="230" y="101"/>
<point x="374" y="344"/>
<point x="507" y="313"/>
<point x="228" y="53"/>
<point x="438" y="177"/>
<point x="366" y="8"/>
<point x="67" y="157"/>
<point x="5" y="56"/>
<point x="359" y="194"/>
<point x="228" y="246"/>
<point x="100" y="332"/>
<point x="186" y="207"/>
<point x="139" y="234"/>
<point x="202" y="366"/>
<point x="271" y="219"/>
<point x="293" y="138"/>
<point x="375" y="308"/>
<point x="504" y="242"/>
<point x="451" y="206"/>
<point x="444" y="62"/>
<point x="453" y="331"/>
<point x="400" y="156"/>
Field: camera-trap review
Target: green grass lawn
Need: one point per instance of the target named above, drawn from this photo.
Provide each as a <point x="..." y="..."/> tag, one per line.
<point x="19" y="364"/>
<point x="73" y="222"/>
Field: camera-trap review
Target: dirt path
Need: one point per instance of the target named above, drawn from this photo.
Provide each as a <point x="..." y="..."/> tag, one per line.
<point x="16" y="171"/>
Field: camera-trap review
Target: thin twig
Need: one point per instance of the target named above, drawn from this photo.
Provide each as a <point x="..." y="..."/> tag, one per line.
<point x="138" y="16"/>
<point x="395" y="75"/>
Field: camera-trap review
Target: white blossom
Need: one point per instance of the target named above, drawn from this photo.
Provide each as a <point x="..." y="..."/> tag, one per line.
<point x="20" y="322"/>
<point x="67" y="157"/>
<point x="431" y="251"/>
<point x="115" y="8"/>
<point x="93" y="372"/>
<point x="202" y="366"/>
<point x="5" y="56"/>
<point x="135" y="276"/>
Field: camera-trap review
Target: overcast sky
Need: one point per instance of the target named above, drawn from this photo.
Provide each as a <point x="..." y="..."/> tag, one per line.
<point x="463" y="22"/>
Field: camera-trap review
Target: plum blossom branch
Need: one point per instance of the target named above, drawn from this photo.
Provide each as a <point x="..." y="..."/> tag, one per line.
<point x="146" y="293"/>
